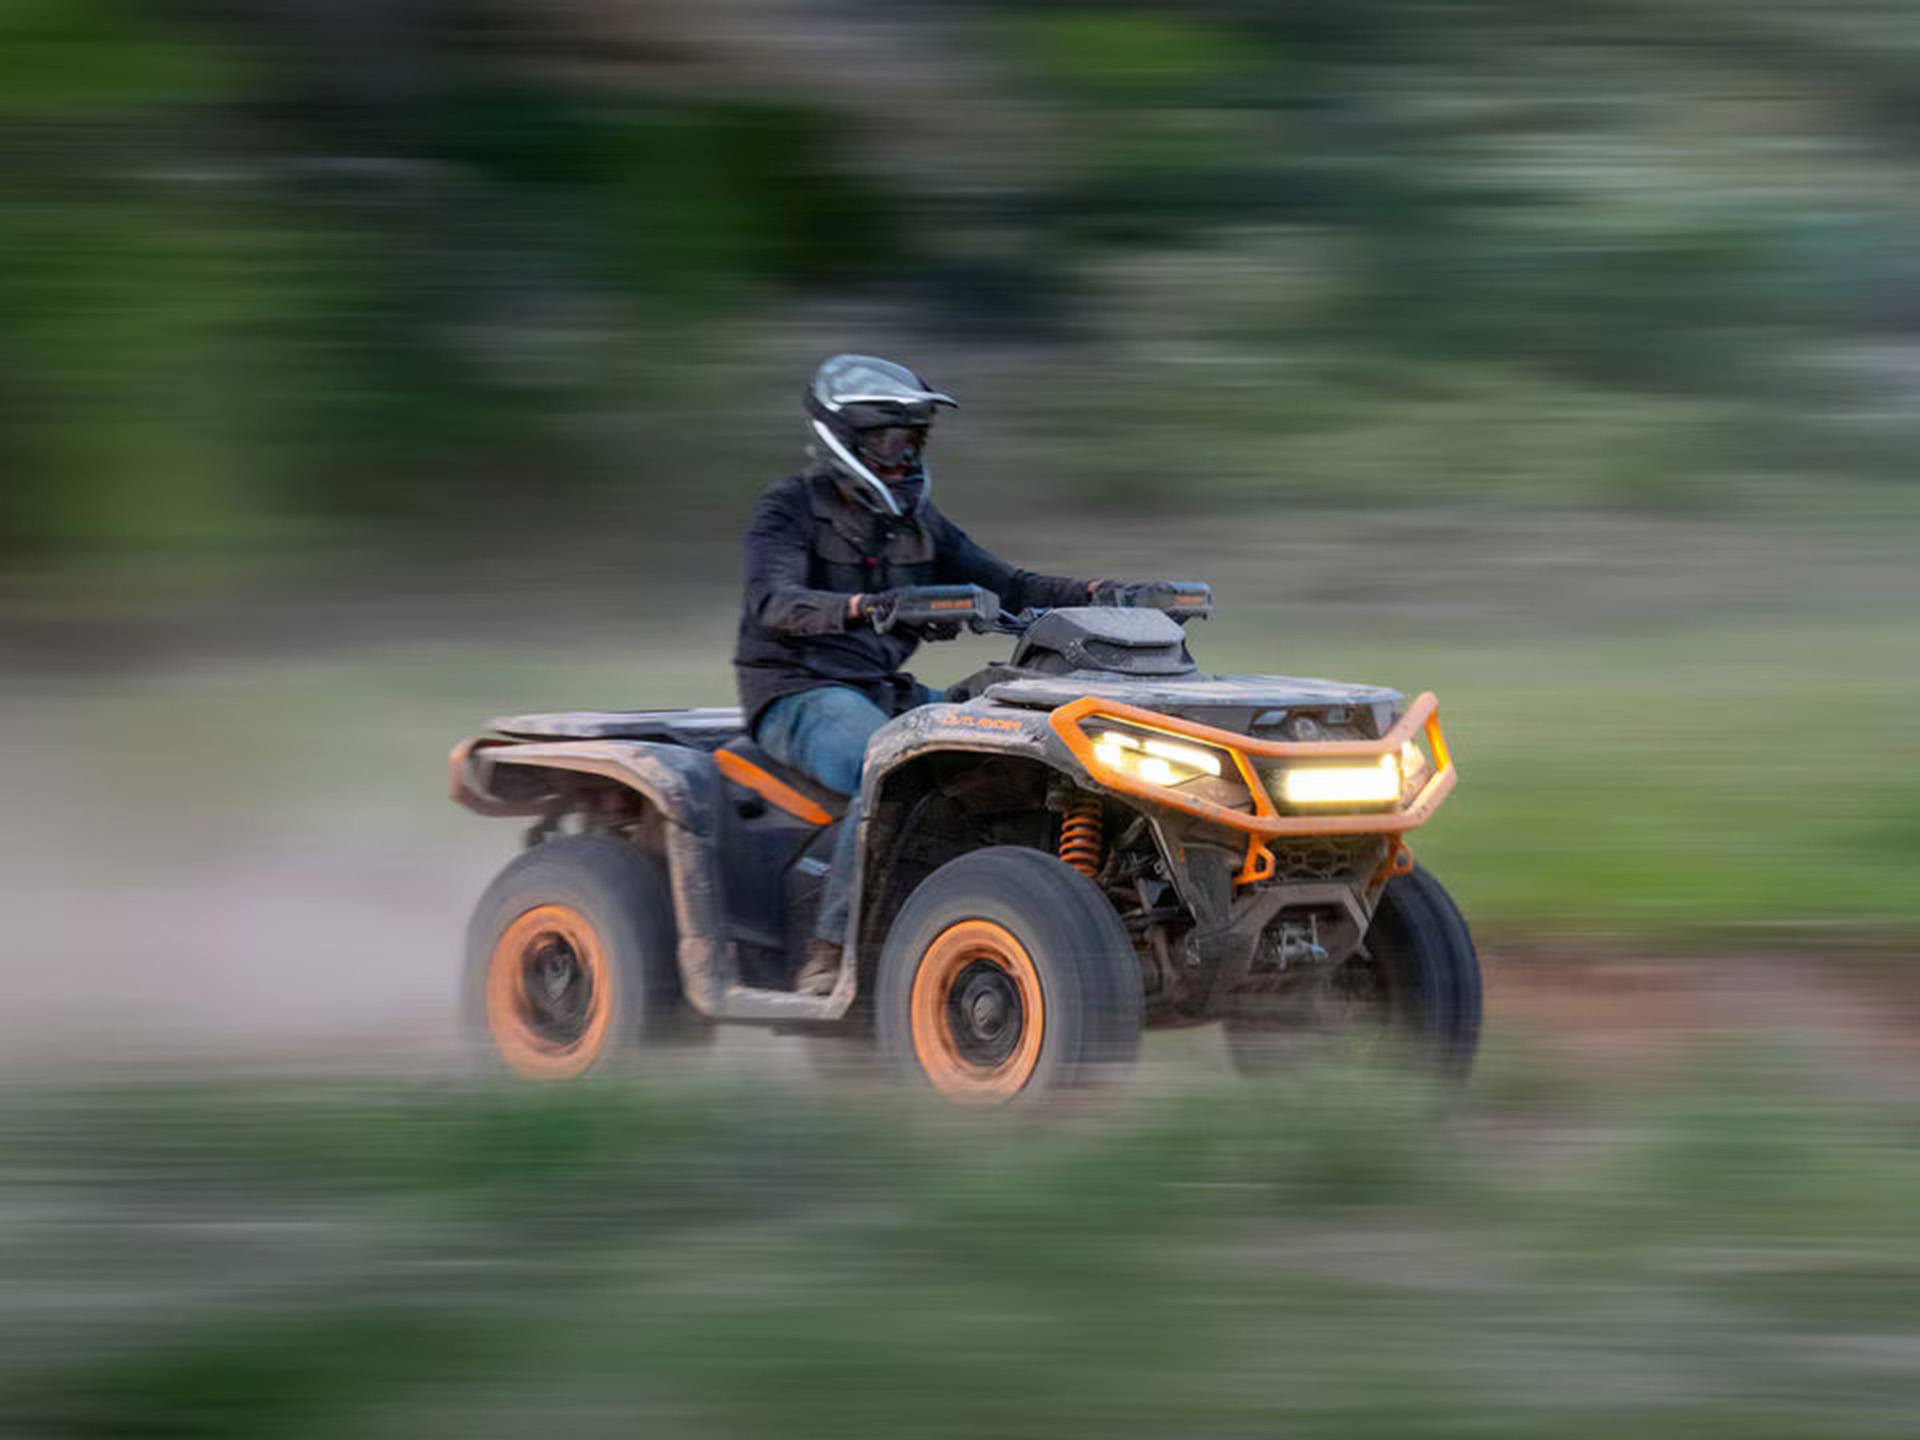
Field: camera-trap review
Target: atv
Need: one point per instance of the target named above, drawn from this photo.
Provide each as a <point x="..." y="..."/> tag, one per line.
<point x="1085" y="840"/>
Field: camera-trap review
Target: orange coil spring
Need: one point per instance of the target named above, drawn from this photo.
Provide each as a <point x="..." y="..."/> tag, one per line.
<point x="1080" y="836"/>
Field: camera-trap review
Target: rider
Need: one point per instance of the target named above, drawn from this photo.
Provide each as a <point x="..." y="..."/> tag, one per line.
<point x="826" y="551"/>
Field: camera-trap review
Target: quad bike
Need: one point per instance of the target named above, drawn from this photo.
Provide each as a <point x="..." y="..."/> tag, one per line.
<point x="1090" y="838"/>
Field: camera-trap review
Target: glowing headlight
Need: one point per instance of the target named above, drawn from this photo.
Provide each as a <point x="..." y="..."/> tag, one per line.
<point x="1375" y="784"/>
<point x="1156" y="761"/>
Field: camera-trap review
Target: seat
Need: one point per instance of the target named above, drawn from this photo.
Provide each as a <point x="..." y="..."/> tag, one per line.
<point x="702" y="729"/>
<point x="788" y="789"/>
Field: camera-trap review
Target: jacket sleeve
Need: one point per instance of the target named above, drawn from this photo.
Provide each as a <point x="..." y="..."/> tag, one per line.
<point x="961" y="561"/>
<point x="776" y="567"/>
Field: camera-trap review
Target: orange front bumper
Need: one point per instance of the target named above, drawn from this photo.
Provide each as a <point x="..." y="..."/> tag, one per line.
<point x="1266" y="822"/>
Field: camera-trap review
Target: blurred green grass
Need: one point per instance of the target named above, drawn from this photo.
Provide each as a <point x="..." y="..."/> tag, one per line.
<point x="1337" y="1253"/>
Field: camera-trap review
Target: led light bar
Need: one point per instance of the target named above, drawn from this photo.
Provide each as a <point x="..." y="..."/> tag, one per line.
<point x="1376" y="784"/>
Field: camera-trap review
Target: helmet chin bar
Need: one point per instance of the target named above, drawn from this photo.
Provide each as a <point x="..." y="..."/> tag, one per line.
<point x="853" y="464"/>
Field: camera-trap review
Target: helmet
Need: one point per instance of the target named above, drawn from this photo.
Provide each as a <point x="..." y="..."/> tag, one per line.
<point x="871" y="417"/>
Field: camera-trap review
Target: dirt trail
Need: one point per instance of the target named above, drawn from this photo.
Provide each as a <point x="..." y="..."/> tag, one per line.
<point x="298" y="973"/>
<point x="1644" y="1014"/>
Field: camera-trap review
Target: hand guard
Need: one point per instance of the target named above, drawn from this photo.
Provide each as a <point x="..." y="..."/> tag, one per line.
<point x="934" y="612"/>
<point x="1182" y="599"/>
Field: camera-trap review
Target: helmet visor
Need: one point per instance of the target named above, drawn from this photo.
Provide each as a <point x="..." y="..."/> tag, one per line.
<point x="893" y="447"/>
<point x="887" y="415"/>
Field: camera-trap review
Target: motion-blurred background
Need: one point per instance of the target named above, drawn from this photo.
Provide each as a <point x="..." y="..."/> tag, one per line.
<point x="371" y="367"/>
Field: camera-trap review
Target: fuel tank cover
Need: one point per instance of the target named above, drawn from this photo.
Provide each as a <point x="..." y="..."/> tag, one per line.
<point x="1108" y="638"/>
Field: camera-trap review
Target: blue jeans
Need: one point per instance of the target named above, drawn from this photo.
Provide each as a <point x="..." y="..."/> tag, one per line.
<point x="823" y="733"/>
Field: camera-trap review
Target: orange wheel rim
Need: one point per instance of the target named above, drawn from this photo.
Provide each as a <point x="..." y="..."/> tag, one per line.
<point x="549" y="993"/>
<point x="977" y="1013"/>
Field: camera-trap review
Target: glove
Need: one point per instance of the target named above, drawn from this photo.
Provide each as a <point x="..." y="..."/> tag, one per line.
<point x="1123" y="593"/>
<point x="877" y="609"/>
<point x="938" y="630"/>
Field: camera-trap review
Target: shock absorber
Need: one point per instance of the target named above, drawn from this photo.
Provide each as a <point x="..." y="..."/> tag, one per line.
<point x="1082" y="844"/>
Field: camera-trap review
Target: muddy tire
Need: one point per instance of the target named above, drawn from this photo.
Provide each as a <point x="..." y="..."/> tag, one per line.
<point x="1425" y="980"/>
<point x="570" y="960"/>
<point x="1006" y="975"/>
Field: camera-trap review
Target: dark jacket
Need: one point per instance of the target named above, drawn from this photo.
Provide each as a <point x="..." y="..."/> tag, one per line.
<point x="809" y="547"/>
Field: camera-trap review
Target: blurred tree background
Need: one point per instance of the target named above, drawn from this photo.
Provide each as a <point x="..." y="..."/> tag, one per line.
<point x="370" y="270"/>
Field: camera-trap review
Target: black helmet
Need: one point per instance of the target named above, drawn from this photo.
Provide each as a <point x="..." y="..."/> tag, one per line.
<point x="871" y="417"/>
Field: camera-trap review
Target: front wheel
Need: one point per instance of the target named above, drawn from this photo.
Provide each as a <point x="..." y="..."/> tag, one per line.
<point x="1417" y="978"/>
<point x="1007" y="973"/>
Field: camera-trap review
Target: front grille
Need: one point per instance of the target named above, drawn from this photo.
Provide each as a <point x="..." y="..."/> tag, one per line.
<point x="1326" y="857"/>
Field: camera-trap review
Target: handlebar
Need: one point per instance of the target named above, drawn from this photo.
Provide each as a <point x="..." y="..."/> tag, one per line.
<point x="979" y="610"/>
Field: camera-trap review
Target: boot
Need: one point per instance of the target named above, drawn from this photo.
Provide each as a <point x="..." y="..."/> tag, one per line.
<point x="819" y="970"/>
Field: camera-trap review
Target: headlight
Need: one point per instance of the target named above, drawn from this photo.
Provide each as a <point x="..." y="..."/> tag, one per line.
<point x="1377" y="783"/>
<point x="1156" y="761"/>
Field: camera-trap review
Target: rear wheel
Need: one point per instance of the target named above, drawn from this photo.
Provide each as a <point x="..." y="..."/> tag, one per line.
<point x="570" y="959"/>
<point x="1416" y="978"/>
<point x="1007" y="973"/>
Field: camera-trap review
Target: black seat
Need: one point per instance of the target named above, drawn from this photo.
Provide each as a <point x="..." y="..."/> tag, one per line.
<point x="703" y="729"/>
<point x="749" y="757"/>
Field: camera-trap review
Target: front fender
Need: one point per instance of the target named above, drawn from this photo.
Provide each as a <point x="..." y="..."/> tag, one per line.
<point x="977" y="726"/>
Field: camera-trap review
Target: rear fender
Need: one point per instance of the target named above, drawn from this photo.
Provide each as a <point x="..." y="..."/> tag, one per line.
<point x="680" y="784"/>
